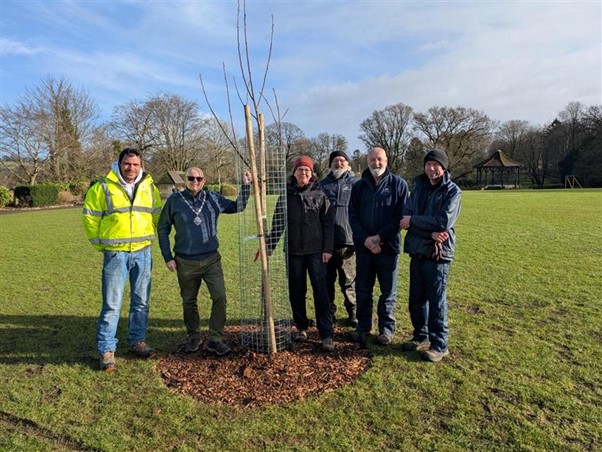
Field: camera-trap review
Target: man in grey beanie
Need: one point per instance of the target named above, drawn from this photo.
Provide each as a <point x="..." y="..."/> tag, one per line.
<point x="429" y="216"/>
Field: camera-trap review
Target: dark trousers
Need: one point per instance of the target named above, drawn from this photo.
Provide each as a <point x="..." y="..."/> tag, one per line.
<point x="428" y="301"/>
<point x="342" y="264"/>
<point x="190" y="275"/>
<point x="298" y="269"/>
<point x="369" y="267"/>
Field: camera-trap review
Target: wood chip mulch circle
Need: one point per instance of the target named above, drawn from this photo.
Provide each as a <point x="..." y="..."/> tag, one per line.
<point x="249" y="379"/>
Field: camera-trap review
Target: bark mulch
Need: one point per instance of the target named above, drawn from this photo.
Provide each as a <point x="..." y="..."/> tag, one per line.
<point x="249" y="379"/>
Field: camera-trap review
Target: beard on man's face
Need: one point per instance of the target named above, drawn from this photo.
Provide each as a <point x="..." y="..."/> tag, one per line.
<point x="377" y="172"/>
<point x="337" y="173"/>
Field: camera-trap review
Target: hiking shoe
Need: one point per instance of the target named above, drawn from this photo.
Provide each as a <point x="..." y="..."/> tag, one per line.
<point x="107" y="362"/>
<point x="435" y="356"/>
<point x="383" y="339"/>
<point x="218" y="347"/>
<point x="142" y="350"/>
<point x="328" y="345"/>
<point x="300" y="336"/>
<point x="359" y="336"/>
<point x="192" y="345"/>
<point x="415" y="345"/>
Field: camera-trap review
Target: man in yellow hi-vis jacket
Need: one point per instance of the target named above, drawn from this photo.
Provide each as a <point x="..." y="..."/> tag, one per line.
<point x="120" y="217"/>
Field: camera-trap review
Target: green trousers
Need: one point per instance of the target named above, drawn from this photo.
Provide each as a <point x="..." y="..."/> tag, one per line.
<point x="190" y="275"/>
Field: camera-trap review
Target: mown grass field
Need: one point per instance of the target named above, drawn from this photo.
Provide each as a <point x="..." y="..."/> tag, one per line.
<point x="525" y="302"/>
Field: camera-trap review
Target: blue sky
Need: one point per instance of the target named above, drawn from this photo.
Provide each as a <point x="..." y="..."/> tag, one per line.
<point x="333" y="63"/>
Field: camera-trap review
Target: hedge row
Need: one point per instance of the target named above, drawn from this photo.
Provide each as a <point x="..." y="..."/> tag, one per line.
<point x="4" y="196"/>
<point x="37" y="195"/>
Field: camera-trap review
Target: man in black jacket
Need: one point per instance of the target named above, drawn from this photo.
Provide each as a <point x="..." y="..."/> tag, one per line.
<point x="429" y="217"/>
<point x="337" y="186"/>
<point x="309" y="235"/>
<point x="375" y="211"/>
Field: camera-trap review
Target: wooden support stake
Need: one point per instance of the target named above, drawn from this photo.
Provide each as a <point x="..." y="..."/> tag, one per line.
<point x="260" y="213"/>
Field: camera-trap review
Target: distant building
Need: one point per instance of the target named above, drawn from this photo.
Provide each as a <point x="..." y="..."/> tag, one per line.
<point x="174" y="181"/>
<point x="498" y="171"/>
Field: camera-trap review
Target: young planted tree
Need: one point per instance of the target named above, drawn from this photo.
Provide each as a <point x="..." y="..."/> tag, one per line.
<point x="251" y="97"/>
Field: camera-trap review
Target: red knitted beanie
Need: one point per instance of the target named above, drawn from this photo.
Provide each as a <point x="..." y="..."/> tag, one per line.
<point x="304" y="160"/>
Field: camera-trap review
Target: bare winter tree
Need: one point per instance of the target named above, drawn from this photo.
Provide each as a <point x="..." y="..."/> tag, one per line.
<point x="179" y="129"/>
<point x="167" y="126"/>
<point x="463" y="133"/>
<point x="102" y="149"/>
<point x="66" y="118"/>
<point x="133" y="123"/>
<point x="390" y="129"/>
<point x="47" y="130"/>
<point x="285" y="135"/>
<point x="414" y="160"/>
<point x="217" y="155"/>
<point x="535" y="156"/>
<point x="511" y="138"/>
<point x="23" y="152"/>
<point x="358" y="161"/>
<point x="323" y="145"/>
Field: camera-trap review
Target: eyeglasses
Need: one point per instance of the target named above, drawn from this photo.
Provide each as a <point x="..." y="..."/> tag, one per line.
<point x="193" y="178"/>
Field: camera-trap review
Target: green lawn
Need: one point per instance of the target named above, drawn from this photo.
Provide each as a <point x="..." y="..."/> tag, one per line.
<point x="525" y="300"/>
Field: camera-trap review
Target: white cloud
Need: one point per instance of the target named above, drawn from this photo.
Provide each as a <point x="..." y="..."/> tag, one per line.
<point x="522" y="61"/>
<point x="10" y="47"/>
<point x="334" y="63"/>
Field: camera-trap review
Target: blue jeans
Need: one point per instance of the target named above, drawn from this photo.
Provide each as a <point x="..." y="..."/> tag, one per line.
<point x="368" y="268"/>
<point x="428" y="301"/>
<point x="298" y="268"/>
<point x="117" y="267"/>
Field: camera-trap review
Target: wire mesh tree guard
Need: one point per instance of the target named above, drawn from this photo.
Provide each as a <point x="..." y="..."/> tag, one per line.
<point x="265" y="311"/>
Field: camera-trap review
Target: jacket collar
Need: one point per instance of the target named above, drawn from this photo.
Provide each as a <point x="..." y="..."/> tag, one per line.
<point x="368" y="178"/>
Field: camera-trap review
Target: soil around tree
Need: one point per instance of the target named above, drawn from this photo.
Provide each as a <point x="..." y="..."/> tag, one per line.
<point x="249" y="379"/>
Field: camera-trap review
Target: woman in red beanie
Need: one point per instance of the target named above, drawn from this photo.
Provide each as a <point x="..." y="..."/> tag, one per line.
<point x="310" y="232"/>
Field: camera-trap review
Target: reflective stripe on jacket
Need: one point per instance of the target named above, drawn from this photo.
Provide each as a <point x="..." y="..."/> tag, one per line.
<point x="113" y="222"/>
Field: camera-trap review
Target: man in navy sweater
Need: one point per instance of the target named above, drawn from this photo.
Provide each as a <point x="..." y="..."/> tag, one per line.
<point x="194" y="213"/>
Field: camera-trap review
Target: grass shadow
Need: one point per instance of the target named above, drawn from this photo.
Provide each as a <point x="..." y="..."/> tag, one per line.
<point x="64" y="339"/>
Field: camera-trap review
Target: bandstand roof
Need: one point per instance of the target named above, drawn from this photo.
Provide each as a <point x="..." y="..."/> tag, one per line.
<point x="498" y="160"/>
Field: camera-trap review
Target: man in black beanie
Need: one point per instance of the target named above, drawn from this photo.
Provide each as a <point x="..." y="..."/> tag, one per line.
<point x="337" y="185"/>
<point x="429" y="217"/>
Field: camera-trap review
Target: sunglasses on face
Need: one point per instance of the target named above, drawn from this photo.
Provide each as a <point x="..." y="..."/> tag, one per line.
<point x="193" y="178"/>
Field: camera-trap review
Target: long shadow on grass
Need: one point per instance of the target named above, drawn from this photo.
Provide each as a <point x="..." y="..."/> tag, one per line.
<point x="394" y="350"/>
<point x="63" y="339"/>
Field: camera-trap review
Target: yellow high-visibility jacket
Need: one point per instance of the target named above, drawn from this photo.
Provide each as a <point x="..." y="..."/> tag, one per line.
<point x="113" y="222"/>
